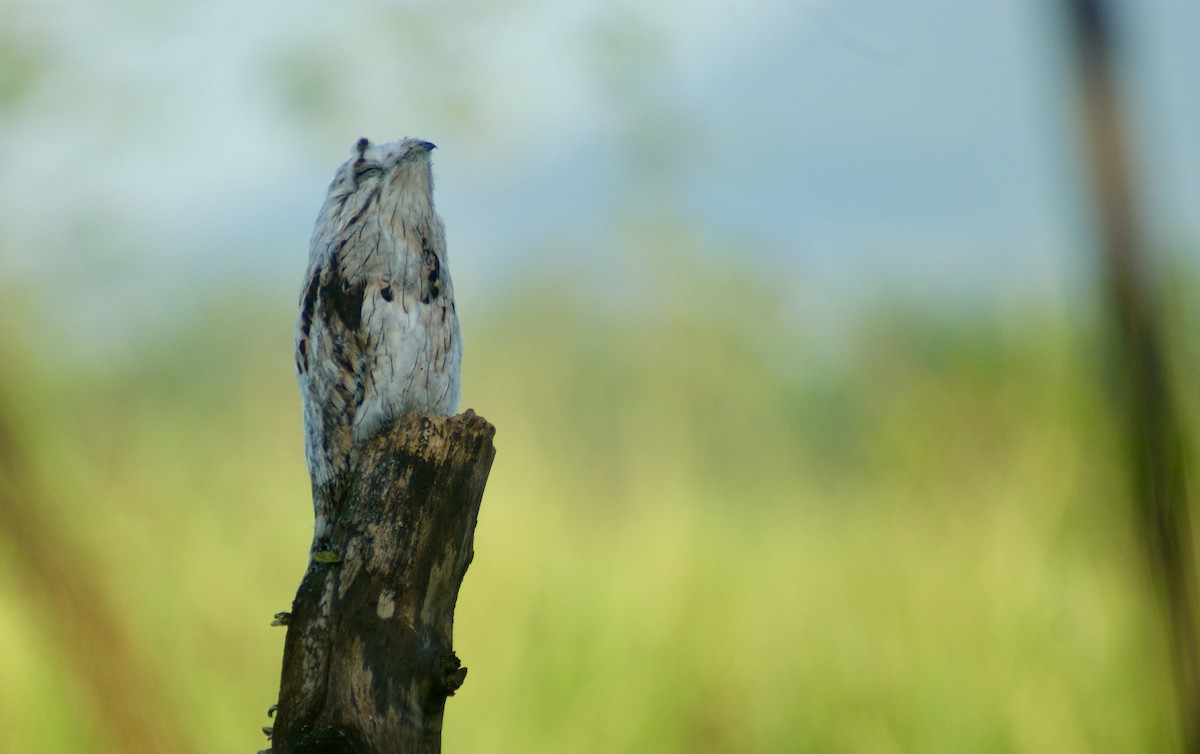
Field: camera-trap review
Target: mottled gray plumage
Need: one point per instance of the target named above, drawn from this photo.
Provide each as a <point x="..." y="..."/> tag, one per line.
<point x="378" y="334"/>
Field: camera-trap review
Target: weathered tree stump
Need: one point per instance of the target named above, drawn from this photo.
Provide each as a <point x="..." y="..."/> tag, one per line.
<point x="368" y="660"/>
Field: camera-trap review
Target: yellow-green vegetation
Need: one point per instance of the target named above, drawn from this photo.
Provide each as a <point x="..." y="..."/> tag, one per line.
<point x="700" y="535"/>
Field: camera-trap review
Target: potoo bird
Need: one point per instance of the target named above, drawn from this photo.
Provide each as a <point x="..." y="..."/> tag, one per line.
<point x="377" y="335"/>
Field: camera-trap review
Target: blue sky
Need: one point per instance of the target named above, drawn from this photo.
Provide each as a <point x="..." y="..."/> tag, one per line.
<point x="165" y="153"/>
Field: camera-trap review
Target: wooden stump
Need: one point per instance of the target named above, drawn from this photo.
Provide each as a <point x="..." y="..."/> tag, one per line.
<point x="368" y="660"/>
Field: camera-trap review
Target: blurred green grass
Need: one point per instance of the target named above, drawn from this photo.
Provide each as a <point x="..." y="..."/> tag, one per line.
<point x="702" y="532"/>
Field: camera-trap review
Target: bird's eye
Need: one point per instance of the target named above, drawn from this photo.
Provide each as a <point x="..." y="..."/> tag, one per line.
<point x="367" y="171"/>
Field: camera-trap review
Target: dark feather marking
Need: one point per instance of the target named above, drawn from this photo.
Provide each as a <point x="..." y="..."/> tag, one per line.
<point x="433" y="271"/>
<point x="308" y="305"/>
<point x="365" y="208"/>
<point x="342" y="298"/>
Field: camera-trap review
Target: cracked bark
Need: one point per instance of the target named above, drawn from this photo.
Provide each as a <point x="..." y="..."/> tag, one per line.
<point x="368" y="660"/>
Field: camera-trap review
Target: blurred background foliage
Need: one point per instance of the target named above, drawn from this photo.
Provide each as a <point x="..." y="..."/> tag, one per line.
<point x="754" y="491"/>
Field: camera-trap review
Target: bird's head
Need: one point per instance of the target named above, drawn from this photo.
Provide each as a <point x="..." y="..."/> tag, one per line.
<point x="399" y="166"/>
<point x="395" y="177"/>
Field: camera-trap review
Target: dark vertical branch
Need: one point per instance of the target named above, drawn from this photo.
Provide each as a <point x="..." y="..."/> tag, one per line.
<point x="1153" y="431"/>
<point x="368" y="661"/>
